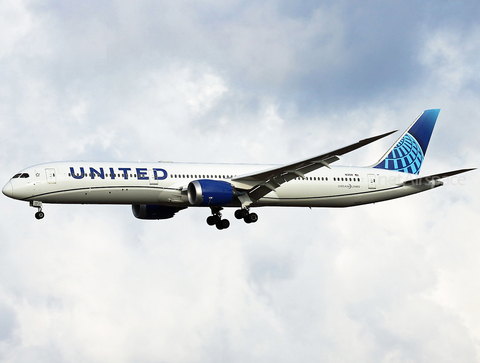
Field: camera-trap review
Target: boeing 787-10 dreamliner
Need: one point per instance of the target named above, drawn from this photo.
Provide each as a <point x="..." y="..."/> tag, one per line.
<point x="159" y="190"/>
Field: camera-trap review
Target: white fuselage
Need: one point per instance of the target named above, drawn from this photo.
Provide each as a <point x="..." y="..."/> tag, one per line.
<point x="165" y="183"/>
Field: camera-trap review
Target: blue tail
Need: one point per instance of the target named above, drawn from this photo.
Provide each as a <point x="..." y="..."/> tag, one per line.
<point x="408" y="152"/>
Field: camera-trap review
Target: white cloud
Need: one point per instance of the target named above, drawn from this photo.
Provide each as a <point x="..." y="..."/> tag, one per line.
<point x="16" y="23"/>
<point x="453" y="58"/>
<point x="242" y="82"/>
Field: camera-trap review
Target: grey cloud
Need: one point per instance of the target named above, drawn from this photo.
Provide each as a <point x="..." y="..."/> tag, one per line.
<point x="8" y="322"/>
<point x="241" y="82"/>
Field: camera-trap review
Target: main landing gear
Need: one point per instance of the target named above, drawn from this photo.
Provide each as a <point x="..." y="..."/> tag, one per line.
<point x="246" y="215"/>
<point x="38" y="205"/>
<point x="216" y="219"/>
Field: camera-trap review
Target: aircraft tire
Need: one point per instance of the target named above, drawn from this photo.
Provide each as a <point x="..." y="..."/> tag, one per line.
<point x="253" y="217"/>
<point x="239" y="214"/>
<point x="223" y="224"/>
<point x="210" y="221"/>
<point x="39" y="215"/>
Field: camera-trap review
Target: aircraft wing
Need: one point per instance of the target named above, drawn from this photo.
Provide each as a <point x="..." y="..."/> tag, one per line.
<point x="263" y="182"/>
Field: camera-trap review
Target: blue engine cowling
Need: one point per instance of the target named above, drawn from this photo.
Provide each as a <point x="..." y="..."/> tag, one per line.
<point x="210" y="192"/>
<point x="142" y="211"/>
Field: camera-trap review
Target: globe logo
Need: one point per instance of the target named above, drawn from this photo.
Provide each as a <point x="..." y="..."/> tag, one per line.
<point x="406" y="156"/>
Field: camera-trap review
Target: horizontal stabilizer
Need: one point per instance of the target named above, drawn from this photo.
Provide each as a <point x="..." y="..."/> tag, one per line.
<point x="430" y="178"/>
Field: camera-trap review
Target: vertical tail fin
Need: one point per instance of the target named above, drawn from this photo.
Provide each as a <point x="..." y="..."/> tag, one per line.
<point x="408" y="152"/>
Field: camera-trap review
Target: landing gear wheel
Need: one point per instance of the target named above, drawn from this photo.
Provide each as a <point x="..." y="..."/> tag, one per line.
<point x="223" y="224"/>
<point x="251" y="218"/>
<point x="211" y="220"/>
<point x="216" y="219"/>
<point x="241" y="213"/>
<point x="39" y="215"/>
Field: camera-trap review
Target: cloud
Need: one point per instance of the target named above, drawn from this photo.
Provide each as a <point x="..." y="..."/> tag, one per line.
<point x="238" y="82"/>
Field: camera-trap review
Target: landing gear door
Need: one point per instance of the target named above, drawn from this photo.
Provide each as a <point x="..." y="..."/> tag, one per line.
<point x="372" y="182"/>
<point x="51" y="176"/>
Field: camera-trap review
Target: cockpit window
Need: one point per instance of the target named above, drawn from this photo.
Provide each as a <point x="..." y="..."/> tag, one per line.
<point x="21" y="175"/>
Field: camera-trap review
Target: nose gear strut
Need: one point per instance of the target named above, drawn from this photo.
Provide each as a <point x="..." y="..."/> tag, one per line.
<point x="38" y="205"/>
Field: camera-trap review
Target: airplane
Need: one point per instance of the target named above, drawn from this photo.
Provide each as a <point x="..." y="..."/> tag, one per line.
<point x="159" y="190"/>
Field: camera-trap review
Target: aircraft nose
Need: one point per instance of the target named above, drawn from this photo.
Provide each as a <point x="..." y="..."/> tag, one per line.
<point x="8" y="190"/>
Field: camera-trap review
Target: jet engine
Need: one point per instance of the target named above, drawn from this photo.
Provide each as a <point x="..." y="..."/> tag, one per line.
<point x="142" y="211"/>
<point x="210" y="192"/>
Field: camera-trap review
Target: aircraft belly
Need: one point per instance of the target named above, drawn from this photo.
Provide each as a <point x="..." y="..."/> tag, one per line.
<point x="343" y="197"/>
<point x="294" y="195"/>
<point x="375" y="196"/>
<point x="111" y="195"/>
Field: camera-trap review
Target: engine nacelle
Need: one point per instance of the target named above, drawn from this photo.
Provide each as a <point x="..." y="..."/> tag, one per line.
<point x="142" y="211"/>
<point x="210" y="192"/>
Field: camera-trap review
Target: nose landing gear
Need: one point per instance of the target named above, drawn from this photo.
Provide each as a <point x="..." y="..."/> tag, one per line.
<point x="38" y="205"/>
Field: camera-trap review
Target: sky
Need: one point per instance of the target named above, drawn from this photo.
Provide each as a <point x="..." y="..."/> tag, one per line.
<point x="253" y="82"/>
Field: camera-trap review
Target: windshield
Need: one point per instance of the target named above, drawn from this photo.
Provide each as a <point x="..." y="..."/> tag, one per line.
<point x="21" y="175"/>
